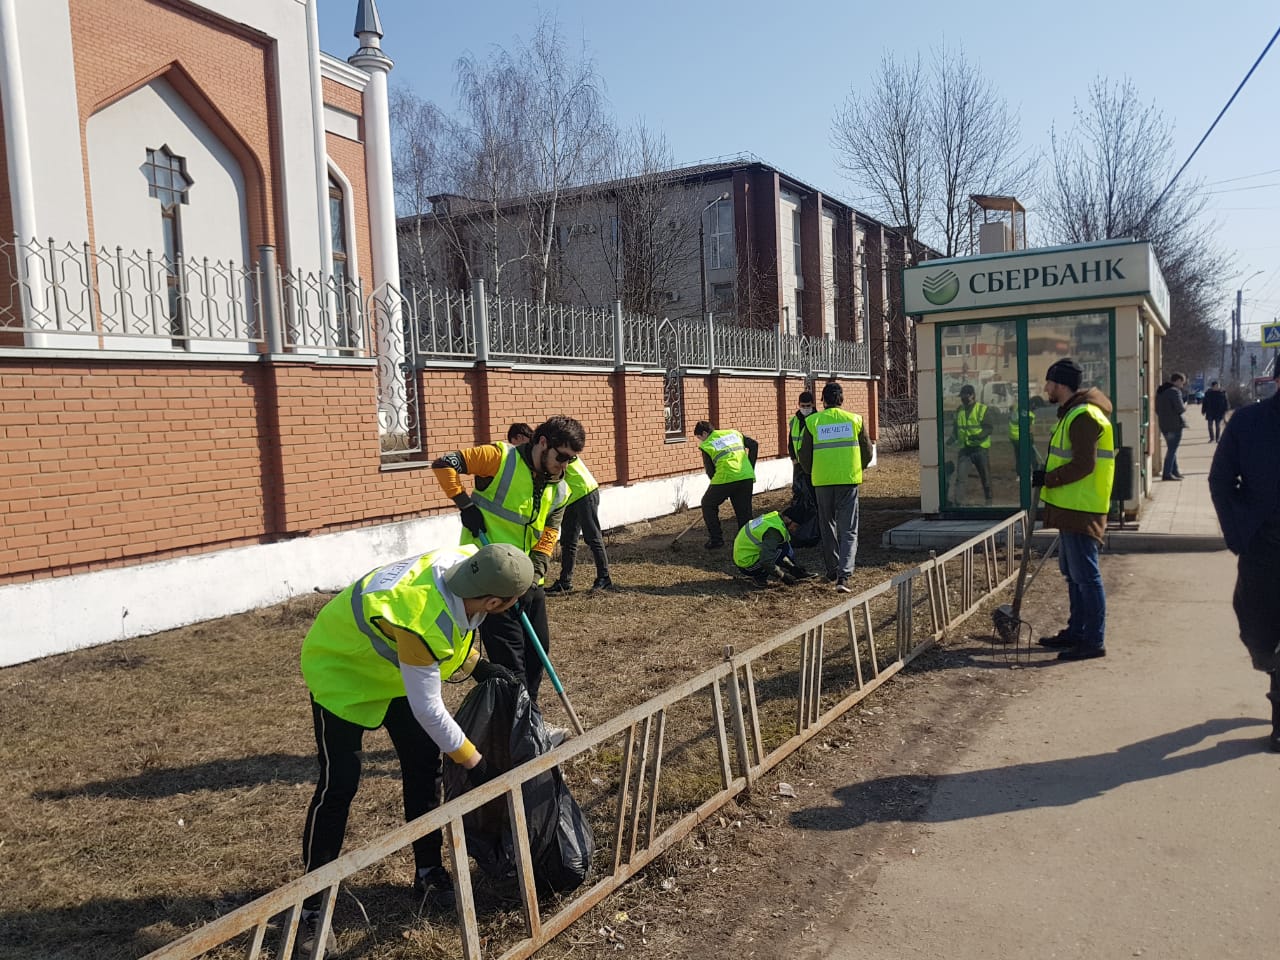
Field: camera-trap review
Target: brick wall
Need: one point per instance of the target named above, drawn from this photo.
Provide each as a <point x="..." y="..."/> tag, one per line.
<point x="107" y="462"/>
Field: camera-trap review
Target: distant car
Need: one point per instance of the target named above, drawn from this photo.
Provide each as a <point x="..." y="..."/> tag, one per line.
<point x="1196" y="396"/>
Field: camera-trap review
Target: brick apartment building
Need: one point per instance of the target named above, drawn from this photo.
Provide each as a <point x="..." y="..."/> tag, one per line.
<point x="774" y="251"/>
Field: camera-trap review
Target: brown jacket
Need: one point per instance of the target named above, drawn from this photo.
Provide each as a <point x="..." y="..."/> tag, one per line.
<point x="1084" y="436"/>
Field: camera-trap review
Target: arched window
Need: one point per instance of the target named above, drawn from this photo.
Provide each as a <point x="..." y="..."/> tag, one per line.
<point x="340" y="247"/>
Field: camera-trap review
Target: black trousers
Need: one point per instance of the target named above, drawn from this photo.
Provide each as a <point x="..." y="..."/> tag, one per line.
<point x="582" y="517"/>
<point x="738" y="493"/>
<point x="506" y="642"/>
<point x="1257" y="604"/>
<point x="338" y="745"/>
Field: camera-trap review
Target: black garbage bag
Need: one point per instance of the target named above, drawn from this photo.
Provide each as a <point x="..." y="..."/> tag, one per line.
<point x="507" y="728"/>
<point x="803" y="509"/>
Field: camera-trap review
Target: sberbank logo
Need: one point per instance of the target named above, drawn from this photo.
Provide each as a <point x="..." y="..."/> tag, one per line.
<point x="941" y="287"/>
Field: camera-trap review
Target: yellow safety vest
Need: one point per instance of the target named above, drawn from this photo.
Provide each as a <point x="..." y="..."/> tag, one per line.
<point x="1092" y="494"/>
<point x="1015" y="432"/>
<point x="510" y="515"/>
<point x="837" y="458"/>
<point x="749" y="542"/>
<point x="350" y="657"/>
<point x="969" y="425"/>
<point x="797" y="431"/>
<point x="579" y="479"/>
<point x="728" y="452"/>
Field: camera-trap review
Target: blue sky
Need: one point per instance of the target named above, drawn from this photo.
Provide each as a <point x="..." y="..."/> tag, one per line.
<point x="766" y="78"/>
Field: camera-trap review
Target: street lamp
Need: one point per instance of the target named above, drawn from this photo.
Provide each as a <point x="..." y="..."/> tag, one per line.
<point x="702" y="253"/>
<point x="1239" y="325"/>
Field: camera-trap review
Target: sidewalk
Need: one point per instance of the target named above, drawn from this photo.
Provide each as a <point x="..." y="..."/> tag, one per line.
<point x="1124" y="807"/>
<point x="1179" y="515"/>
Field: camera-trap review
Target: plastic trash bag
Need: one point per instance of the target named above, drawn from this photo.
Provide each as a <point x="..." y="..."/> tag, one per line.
<point x="507" y="728"/>
<point x="803" y="509"/>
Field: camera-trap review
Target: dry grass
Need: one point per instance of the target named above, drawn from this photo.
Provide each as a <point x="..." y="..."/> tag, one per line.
<point x="156" y="783"/>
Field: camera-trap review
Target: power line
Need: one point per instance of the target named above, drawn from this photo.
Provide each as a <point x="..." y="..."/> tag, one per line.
<point x="1247" y="176"/>
<point x="1221" y="114"/>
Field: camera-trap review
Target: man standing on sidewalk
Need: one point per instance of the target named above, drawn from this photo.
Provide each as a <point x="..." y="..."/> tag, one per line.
<point x="1169" y="414"/>
<point x="1215" y="406"/>
<point x="1076" y="490"/>
<point x="834" y="450"/>
<point x="1245" y="485"/>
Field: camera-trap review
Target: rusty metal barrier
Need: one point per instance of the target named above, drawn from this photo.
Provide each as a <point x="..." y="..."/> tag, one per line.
<point x="878" y="635"/>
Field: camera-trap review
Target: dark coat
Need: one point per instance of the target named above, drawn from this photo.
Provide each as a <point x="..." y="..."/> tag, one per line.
<point x="1170" y="408"/>
<point x="1215" y="404"/>
<point x="1244" y="480"/>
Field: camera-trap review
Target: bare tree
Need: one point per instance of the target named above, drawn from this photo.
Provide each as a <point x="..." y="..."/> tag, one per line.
<point x="567" y="131"/>
<point x="973" y="136"/>
<point x="421" y="140"/>
<point x="1108" y="172"/>
<point x="881" y="141"/>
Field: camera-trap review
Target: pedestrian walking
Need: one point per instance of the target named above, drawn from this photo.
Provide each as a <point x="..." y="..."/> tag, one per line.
<point x="519" y="498"/>
<point x="834" y="450"/>
<point x="1215" y="406"/>
<point x="1076" y="487"/>
<point x="762" y="549"/>
<point x="729" y="458"/>
<point x="375" y="657"/>
<point x="972" y="436"/>
<point x="581" y="518"/>
<point x="1170" y="410"/>
<point x="1244" y="485"/>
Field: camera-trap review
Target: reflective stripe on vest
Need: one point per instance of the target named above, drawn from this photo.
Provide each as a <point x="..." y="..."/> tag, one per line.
<point x="749" y="543"/>
<point x="797" y="430"/>
<point x="352" y="668"/>
<point x="728" y="452"/>
<point x="837" y="455"/>
<point x="510" y="513"/>
<point x="969" y="425"/>
<point x="579" y="480"/>
<point x="1091" y="494"/>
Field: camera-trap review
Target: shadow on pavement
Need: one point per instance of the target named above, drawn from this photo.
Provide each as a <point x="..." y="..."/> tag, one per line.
<point x="1051" y="783"/>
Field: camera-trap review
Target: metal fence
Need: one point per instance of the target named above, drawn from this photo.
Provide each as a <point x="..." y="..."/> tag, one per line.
<point x="748" y="713"/>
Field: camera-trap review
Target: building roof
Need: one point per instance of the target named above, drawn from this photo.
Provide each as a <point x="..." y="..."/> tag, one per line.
<point x="707" y="171"/>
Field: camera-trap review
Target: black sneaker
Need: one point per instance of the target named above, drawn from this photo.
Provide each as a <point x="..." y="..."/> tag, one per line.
<point x="433" y="888"/>
<point x="559" y="587"/>
<point x="761" y="579"/>
<point x="800" y="573"/>
<point x="603" y="583"/>
<point x="713" y="544"/>
<point x="1079" y="652"/>
<point x="1059" y="641"/>
<point x="842" y="585"/>
<point x="304" y="947"/>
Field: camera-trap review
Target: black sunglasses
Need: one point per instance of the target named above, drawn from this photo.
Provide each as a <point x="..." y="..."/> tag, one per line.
<point x="562" y="457"/>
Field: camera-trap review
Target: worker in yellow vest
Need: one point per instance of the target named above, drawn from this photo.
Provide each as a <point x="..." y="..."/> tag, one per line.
<point x="519" y="498"/>
<point x="375" y="657"/>
<point x="1015" y="440"/>
<point x="795" y="433"/>
<point x="729" y="458"/>
<point x="972" y="436"/>
<point x="762" y="549"/>
<point x="1076" y="489"/>
<point x="834" y="450"/>
<point x="581" y="518"/>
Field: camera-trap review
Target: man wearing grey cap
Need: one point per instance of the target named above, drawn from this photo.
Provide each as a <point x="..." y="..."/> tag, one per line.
<point x="375" y="657"/>
<point x="1075" y="486"/>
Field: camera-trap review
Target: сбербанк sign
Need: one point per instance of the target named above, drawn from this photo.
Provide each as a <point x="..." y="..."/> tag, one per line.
<point x="1083" y="272"/>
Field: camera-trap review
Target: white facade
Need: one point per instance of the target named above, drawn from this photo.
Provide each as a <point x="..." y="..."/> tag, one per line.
<point x="827" y="235"/>
<point x="790" y="262"/>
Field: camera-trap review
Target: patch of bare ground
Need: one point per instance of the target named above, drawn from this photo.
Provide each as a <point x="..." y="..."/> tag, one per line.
<point x="155" y="783"/>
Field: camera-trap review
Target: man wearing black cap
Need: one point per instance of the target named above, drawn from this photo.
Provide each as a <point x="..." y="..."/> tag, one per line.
<point x="1076" y="489"/>
<point x="1245" y="487"/>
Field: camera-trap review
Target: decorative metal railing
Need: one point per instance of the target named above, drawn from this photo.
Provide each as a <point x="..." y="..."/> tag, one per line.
<point x="779" y="694"/>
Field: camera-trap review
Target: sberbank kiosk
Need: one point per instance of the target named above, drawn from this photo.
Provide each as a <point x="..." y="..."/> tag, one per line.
<point x="989" y="328"/>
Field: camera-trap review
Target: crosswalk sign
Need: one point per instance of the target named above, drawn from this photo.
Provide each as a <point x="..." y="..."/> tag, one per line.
<point x="1271" y="335"/>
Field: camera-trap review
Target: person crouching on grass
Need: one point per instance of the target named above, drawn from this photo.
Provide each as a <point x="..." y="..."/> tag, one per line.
<point x="762" y="549"/>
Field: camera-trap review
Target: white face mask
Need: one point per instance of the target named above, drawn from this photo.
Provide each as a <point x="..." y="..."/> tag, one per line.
<point x="806" y="410"/>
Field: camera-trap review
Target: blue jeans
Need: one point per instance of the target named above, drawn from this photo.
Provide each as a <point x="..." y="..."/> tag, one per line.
<point x="1171" y="440"/>
<point x="1078" y="561"/>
